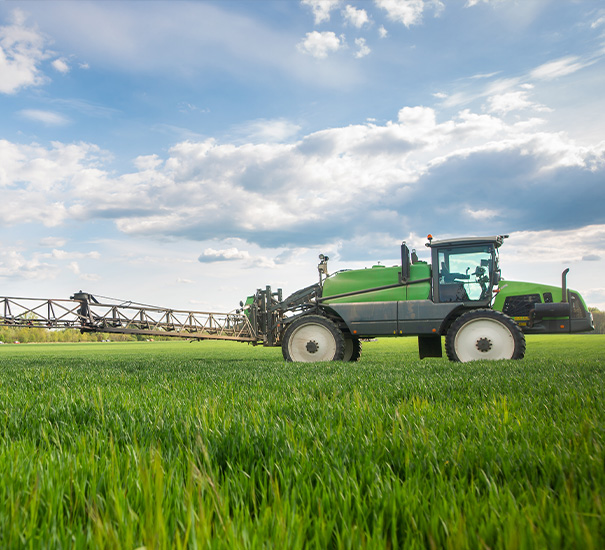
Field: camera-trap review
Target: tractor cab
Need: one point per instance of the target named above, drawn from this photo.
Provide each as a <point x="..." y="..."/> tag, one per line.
<point x="465" y="270"/>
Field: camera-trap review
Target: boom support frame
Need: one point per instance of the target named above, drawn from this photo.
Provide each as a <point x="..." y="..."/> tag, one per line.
<point x="85" y="313"/>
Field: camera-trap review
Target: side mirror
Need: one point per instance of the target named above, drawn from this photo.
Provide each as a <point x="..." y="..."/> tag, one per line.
<point x="405" y="264"/>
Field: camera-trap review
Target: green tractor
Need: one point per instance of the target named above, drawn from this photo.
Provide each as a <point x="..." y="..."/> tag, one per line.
<point x="460" y="295"/>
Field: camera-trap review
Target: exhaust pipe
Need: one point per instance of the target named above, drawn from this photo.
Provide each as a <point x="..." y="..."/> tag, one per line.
<point x="564" y="285"/>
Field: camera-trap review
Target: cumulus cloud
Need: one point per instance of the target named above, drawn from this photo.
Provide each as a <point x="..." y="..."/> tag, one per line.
<point x="321" y="8"/>
<point x="22" y="50"/>
<point x="320" y="44"/>
<point x="409" y="12"/>
<point x="356" y="17"/>
<point x="34" y="178"/>
<point x="60" y="65"/>
<point x="363" y="48"/>
<point x="513" y="101"/>
<point x="13" y="263"/>
<point x="469" y="173"/>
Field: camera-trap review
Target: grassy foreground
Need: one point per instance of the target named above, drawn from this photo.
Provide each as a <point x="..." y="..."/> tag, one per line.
<point x="224" y="446"/>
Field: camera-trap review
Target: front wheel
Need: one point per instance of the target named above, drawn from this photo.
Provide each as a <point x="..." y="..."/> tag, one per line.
<point x="313" y="338"/>
<point x="484" y="334"/>
<point x="352" y="348"/>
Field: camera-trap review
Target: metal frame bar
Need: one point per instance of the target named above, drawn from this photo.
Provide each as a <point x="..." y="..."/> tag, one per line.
<point x="125" y="319"/>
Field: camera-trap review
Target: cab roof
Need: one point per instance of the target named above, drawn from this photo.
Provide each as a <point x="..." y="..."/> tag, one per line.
<point x="496" y="240"/>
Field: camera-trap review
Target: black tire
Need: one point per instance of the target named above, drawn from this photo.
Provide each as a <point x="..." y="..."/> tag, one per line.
<point x="352" y="348"/>
<point x="484" y="334"/>
<point x="313" y="338"/>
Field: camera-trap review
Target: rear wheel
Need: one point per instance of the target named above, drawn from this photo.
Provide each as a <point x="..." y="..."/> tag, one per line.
<point x="352" y="348"/>
<point x="484" y="334"/>
<point x="313" y="338"/>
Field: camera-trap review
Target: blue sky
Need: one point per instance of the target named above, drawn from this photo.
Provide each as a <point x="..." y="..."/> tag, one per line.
<point x="185" y="153"/>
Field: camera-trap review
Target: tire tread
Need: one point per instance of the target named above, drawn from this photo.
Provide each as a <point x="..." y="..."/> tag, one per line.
<point x="517" y="333"/>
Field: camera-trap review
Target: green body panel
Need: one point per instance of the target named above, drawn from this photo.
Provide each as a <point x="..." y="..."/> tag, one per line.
<point x="517" y="288"/>
<point x="356" y="280"/>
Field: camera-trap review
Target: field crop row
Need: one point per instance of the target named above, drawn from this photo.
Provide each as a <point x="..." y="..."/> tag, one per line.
<point x="226" y="446"/>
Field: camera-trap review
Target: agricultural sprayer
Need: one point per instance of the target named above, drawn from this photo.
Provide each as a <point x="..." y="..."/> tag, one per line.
<point x="459" y="295"/>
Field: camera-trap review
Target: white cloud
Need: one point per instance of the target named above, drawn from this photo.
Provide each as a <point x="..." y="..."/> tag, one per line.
<point x="356" y="17"/>
<point x="49" y="118"/>
<point x="268" y="131"/>
<point x="245" y="258"/>
<point x="321" y="8"/>
<point x="481" y="76"/>
<point x="320" y="44"/>
<point x="60" y="65"/>
<point x="74" y="267"/>
<point x="52" y="242"/>
<point x="202" y="36"/>
<point x="22" y="50"/>
<point x="59" y="254"/>
<point x="471" y="3"/>
<point x="512" y="101"/>
<point x="418" y="117"/>
<point x="363" y="48"/>
<point x="382" y="32"/>
<point x="559" y="67"/>
<point x="408" y="12"/>
<point x="14" y="264"/>
<point x="35" y="180"/>
<point x="599" y="22"/>
<point x="147" y="162"/>
<point x="483" y="213"/>
<point x="334" y="184"/>
<point x="228" y="254"/>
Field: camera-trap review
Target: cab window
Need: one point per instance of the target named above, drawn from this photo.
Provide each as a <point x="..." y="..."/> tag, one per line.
<point x="465" y="273"/>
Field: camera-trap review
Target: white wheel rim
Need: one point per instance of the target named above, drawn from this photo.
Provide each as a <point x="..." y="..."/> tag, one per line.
<point x="484" y="339"/>
<point x="312" y="342"/>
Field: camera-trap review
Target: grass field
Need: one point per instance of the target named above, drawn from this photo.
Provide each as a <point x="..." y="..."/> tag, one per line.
<point x="213" y="445"/>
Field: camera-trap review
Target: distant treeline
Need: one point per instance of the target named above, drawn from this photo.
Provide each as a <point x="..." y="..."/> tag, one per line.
<point x="599" y="320"/>
<point x="28" y="335"/>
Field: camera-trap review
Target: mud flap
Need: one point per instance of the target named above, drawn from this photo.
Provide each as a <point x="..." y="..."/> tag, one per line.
<point x="429" y="346"/>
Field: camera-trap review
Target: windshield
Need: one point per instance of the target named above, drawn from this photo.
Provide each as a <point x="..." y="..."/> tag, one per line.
<point x="465" y="273"/>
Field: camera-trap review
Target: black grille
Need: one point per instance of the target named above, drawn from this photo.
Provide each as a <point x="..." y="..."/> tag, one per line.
<point x="577" y="308"/>
<point x="519" y="306"/>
